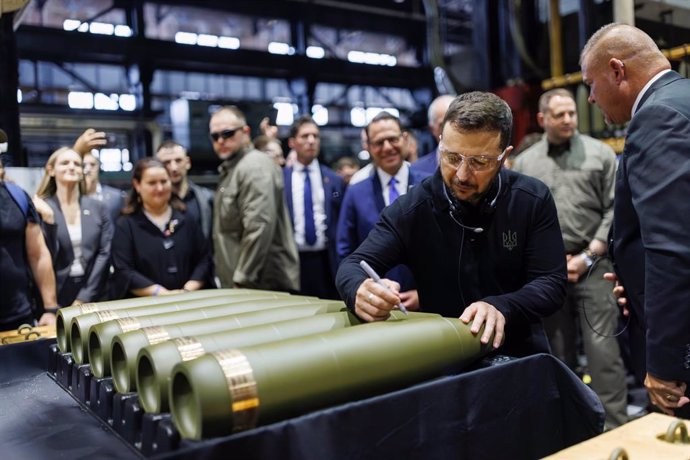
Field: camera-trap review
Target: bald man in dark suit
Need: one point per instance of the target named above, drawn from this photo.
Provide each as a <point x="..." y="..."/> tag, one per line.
<point x="631" y="80"/>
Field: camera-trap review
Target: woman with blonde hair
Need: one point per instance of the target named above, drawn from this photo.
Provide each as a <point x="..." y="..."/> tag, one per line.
<point x="84" y="231"/>
<point x="157" y="250"/>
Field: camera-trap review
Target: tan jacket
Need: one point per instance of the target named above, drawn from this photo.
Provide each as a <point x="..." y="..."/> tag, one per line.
<point x="252" y="234"/>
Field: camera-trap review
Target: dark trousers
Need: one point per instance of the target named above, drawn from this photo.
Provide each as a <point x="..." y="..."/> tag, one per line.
<point x="316" y="278"/>
<point x="69" y="290"/>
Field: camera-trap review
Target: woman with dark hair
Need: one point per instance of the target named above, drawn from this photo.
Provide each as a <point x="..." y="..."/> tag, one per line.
<point x="156" y="249"/>
<point x="81" y="258"/>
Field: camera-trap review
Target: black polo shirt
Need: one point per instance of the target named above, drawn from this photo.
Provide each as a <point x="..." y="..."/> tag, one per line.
<point x="15" y="301"/>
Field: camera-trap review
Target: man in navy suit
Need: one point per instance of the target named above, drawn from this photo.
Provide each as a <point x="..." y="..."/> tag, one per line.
<point x="314" y="194"/>
<point x="427" y="164"/>
<point x="365" y="200"/>
<point x="631" y="80"/>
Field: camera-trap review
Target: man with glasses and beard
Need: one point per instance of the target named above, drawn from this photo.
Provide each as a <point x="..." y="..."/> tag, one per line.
<point x="482" y="242"/>
<point x="252" y="236"/>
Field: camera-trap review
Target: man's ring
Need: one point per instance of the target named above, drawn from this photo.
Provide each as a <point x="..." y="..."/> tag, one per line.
<point x="669" y="397"/>
<point x="370" y="296"/>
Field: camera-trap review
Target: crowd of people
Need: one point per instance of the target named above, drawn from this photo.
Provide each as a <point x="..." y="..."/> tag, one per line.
<point x="517" y="250"/>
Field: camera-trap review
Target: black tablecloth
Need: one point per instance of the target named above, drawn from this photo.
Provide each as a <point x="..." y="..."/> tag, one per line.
<point x="520" y="409"/>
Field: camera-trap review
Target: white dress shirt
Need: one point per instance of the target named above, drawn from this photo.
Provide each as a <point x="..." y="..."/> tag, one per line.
<point x="401" y="178"/>
<point x="318" y="200"/>
<point x="644" y="90"/>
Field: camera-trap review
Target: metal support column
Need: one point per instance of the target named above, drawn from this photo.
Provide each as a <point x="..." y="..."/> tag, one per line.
<point x="624" y="11"/>
<point x="555" y="38"/>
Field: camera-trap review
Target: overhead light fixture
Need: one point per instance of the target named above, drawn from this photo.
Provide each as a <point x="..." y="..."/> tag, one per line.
<point x="319" y="114"/>
<point x="80" y="100"/>
<point x="231" y="43"/>
<point x="207" y="40"/>
<point x="186" y="38"/>
<point x="315" y="52"/>
<point x="280" y="48"/>
<point x="101" y="28"/>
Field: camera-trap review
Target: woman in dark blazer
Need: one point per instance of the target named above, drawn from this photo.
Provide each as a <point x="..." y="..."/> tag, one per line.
<point x="84" y="231"/>
<point x="156" y="249"/>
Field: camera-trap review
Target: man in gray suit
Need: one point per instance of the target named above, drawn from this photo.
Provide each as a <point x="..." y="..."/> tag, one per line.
<point x="580" y="172"/>
<point x="631" y="80"/>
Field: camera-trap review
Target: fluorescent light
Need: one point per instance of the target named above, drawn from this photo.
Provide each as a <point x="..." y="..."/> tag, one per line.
<point x="19" y="95"/>
<point x="111" y="159"/>
<point x="207" y="40"/>
<point x="80" y="100"/>
<point x="319" y="114"/>
<point x="286" y="113"/>
<point x="186" y="38"/>
<point x="315" y="52"/>
<point x="231" y="43"/>
<point x="123" y="31"/>
<point x="71" y="24"/>
<point x="101" y="28"/>
<point x="104" y="102"/>
<point x="356" y="57"/>
<point x="360" y="57"/>
<point x="358" y="117"/>
<point x="84" y="27"/>
<point x="127" y="102"/>
<point x="280" y="48"/>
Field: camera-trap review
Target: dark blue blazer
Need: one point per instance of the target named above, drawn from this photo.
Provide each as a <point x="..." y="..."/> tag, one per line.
<point x="427" y="165"/>
<point x="333" y="192"/>
<point x="362" y="206"/>
<point x="650" y="233"/>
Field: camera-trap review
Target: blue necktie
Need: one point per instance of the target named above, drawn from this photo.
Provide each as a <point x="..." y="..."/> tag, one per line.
<point x="309" y="227"/>
<point x="392" y="191"/>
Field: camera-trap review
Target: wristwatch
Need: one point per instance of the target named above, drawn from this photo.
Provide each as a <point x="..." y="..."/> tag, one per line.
<point x="587" y="257"/>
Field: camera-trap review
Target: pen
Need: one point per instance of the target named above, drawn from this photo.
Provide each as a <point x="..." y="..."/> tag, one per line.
<point x="377" y="279"/>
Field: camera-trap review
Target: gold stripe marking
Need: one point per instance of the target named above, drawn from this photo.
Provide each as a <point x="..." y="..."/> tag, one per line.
<point x="89" y="307"/>
<point x="242" y="386"/>
<point x="156" y="334"/>
<point x="106" y="315"/>
<point x="129" y="324"/>
<point x="189" y="348"/>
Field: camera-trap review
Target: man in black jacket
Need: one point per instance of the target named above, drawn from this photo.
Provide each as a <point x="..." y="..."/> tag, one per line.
<point x="483" y="242"/>
<point x="197" y="199"/>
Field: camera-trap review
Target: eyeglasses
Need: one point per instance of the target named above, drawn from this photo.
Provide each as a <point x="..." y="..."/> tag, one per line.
<point x="225" y="134"/>
<point x="474" y="162"/>
<point x="392" y="140"/>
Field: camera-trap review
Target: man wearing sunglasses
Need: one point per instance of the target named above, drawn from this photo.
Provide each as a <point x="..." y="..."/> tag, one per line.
<point x="252" y="236"/>
<point x="482" y="242"/>
<point x="581" y="171"/>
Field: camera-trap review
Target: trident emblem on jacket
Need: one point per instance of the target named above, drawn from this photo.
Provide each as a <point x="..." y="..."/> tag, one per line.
<point x="509" y="240"/>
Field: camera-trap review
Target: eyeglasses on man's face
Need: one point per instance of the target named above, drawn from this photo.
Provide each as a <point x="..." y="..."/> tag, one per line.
<point x="225" y="134"/>
<point x="392" y="140"/>
<point x="476" y="163"/>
